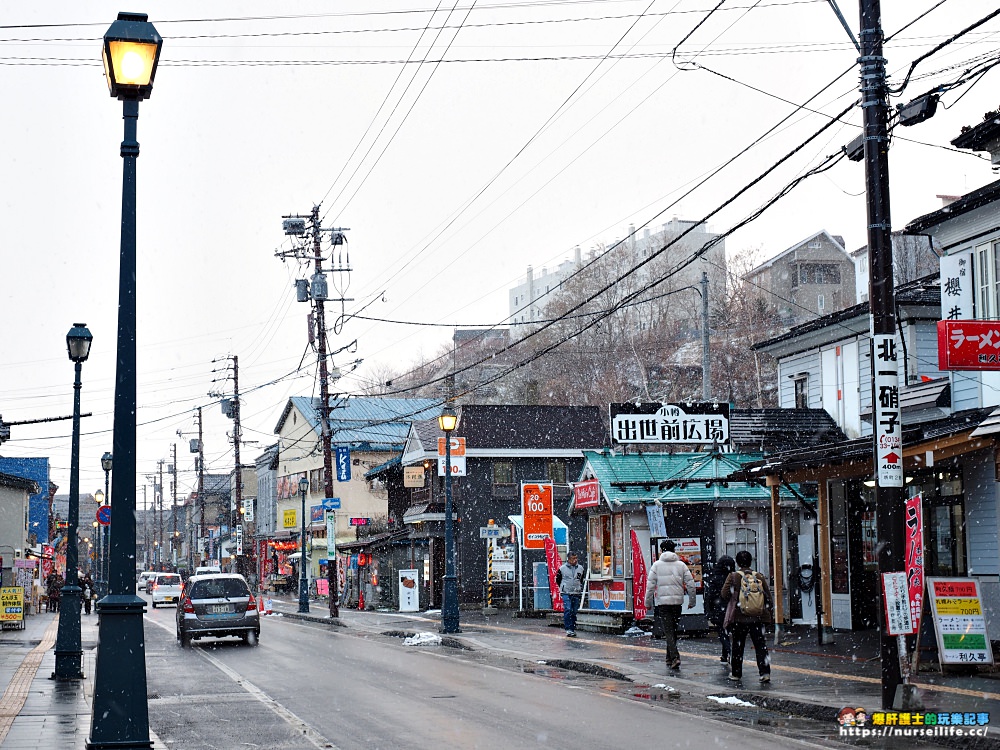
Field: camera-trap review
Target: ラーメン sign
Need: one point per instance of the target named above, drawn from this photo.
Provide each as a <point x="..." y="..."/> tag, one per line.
<point x="655" y="423"/>
<point x="536" y="506"/>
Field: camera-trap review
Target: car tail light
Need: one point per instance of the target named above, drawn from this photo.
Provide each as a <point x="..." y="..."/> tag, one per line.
<point x="251" y="603"/>
<point x="154" y="586"/>
<point x="188" y="606"/>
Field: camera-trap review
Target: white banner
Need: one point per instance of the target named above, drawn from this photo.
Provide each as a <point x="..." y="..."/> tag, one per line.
<point x="331" y="533"/>
<point x="409" y="591"/>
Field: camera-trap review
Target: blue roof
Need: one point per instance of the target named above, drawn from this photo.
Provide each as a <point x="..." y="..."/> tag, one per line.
<point x="369" y="423"/>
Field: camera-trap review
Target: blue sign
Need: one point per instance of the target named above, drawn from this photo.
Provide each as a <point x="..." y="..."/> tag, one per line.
<point x="343" y="463"/>
<point x="331" y="503"/>
<point x="104" y="515"/>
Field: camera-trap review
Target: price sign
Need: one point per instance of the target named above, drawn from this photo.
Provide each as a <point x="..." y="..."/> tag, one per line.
<point x="536" y="505"/>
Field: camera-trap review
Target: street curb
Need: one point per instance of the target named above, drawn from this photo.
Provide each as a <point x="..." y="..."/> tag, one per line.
<point x="333" y="621"/>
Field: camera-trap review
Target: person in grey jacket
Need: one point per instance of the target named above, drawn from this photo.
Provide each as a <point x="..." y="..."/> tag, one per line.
<point x="569" y="578"/>
<point x="668" y="580"/>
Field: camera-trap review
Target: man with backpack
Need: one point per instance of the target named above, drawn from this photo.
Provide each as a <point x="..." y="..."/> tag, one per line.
<point x="750" y="606"/>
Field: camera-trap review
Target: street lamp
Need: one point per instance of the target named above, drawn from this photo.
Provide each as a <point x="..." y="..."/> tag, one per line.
<point x="448" y="421"/>
<point x="107" y="460"/>
<point x="68" y="651"/>
<point x="120" y="717"/>
<point x="303" y="570"/>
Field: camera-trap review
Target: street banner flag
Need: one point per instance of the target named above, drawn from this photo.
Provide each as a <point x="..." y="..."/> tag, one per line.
<point x="638" y="579"/>
<point x="554" y="563"/>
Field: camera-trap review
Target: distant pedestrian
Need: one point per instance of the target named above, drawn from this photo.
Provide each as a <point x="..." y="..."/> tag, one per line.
<point x="87" y="584"/>
<point x="668" y="581"/>
<point x="715" y="607"/>
<point x="753" y="607"/>
<point x="569" y="578"/>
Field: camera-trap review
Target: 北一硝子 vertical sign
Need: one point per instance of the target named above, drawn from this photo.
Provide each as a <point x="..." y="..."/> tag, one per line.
<point x="888" y="427"/>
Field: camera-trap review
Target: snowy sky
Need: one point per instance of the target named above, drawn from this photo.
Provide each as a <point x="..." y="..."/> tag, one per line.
<point x="516" y="131"/>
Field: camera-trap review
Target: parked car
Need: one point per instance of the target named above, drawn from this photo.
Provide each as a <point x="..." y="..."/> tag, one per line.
<point x="165" y="588"/>
<point x="144" y="578"/>
<point x="217" y="605"/>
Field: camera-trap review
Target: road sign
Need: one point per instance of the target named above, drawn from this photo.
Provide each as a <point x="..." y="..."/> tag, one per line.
<point x="331" y="503"/>
<point x="457" y="446"/>
<point x="492" y="532"/>
<point x="104" y="515"/>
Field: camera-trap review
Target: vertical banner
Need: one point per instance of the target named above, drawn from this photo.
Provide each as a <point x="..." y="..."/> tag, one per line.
<point x="638" y="578"/>
<point x="554" y="563"/>
<point x="915" y="558"/>
<point x="331" y="533"/>
<point x="343" y="461"/>
<point x="887" y="426"/>
<point x="48" y="561"/>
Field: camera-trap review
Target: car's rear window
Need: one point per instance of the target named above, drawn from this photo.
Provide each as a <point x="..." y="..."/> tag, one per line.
<point x="168" y="580"/>
<point x="217" y="588"/>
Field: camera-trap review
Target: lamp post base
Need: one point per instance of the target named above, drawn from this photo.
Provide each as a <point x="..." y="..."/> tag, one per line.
<point x="69" y="654"/>
<point x="120" y="713"/>
<point x="449" y="606"/>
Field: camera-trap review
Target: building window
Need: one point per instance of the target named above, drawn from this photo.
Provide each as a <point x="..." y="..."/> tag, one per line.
<point x="820" y="303"/>
<point x="503" y="473"/>
<point x="986" y="280"/>
<point x="819" y="273"/>
<point x="801" y="385"/>
<point x="557" y="472"/>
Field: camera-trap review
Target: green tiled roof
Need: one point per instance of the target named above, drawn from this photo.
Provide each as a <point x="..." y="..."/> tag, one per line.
<point x="642" y="478"/>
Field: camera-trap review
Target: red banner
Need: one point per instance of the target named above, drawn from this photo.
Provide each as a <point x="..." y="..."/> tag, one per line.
<point x="48" y="561"/>
<point x="638" y="579"/>
<point x="915" y="558"/>
<point x="968" y="345"/>
<point x="554" y="563"/>
<point x="586" y="494"/>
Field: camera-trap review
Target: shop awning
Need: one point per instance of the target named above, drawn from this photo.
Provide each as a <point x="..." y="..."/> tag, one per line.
<point x="559" y="528"/>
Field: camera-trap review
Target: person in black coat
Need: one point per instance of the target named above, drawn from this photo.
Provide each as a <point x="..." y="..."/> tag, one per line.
<point x="715" y="607"/>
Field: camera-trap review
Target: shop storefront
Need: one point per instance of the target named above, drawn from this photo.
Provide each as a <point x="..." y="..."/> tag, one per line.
<point x="644" y="498"/>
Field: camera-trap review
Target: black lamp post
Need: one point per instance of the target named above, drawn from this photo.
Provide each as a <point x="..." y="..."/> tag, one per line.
<point x="448" y="421"/>
<point x="107" y="461"/>
<point x="120" y="717"/>
<point x="69" y="654"/>
<point x="303" y="566"/>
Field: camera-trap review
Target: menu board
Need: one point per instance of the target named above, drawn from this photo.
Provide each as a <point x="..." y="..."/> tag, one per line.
<point x="958" y="621"/>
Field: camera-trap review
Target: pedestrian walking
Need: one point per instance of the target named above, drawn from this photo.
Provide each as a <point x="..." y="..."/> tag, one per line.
<point x="87" y="584"/>
<point x="668" y="580"/>
<point x="749" y="606"/>
<point x="569" y="578"/>
<point x="715" y="606"/>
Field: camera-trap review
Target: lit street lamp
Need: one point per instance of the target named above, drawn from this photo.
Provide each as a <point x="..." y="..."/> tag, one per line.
<point x="120" y="717"/>
<point x="107" y="460"/>
<point x="68" y="651"/>
<point x="448" y="421"/>
<point x="303" y="569"/>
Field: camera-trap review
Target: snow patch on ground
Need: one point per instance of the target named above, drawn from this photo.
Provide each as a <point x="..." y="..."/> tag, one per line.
<point x="732" y="700"/>
<point x="423" y="639"/>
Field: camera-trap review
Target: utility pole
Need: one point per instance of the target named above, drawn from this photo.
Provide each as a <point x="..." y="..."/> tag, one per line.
<point x="145" y="528"/>
<point x="295" y="225"/>
<point x="202" y="543"/>
<point x="173" y="508"/>
<point x="241" y="560"/>
<point x="886" y="427"/>
<point x="158" y="499"/>
<point x="706" y="373"/>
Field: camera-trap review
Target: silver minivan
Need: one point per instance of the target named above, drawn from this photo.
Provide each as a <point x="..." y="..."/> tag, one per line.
<point x="217" y="605"/>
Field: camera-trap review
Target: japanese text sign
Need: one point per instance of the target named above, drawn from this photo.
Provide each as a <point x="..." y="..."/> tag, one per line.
<point x="897" y="604"/>
<point x="956" y="286"/>
<point x="586" y="494"/>
<point x="968" y="345"/>
<point x="959" y="621"/>
<point x="536" y="505"/>
<point x="669" y="423"/>
<point x="888" y="427"/>
<point x="915" y="558"/>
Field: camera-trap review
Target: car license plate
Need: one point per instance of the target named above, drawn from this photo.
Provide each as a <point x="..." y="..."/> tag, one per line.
<point x="219" y="609"/>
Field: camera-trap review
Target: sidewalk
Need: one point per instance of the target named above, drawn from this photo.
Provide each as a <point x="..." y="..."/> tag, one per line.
<point x="808" y="680"/>
<point x="35" y="710"/>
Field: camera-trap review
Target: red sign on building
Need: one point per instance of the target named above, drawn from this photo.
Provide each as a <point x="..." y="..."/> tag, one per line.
<point x="968" y="345"/>
<point x="586" y="494"/>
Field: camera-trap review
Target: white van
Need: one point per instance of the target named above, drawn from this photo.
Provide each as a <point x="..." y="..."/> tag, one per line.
<point x="144" y="578"/>
<point x="165" y="588"/>
<point x="203" y="570"/>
